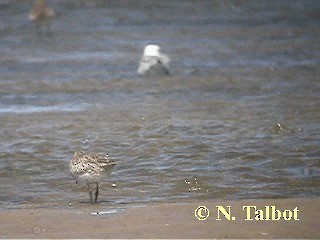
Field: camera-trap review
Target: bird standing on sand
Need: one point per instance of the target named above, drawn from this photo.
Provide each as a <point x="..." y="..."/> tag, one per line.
<point x="42" y="14"/>
<point x="90" y="169"/>
<point x="153" y="62"/>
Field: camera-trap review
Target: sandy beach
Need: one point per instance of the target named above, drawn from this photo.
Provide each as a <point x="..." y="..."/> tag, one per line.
<point x="166" y="220"/>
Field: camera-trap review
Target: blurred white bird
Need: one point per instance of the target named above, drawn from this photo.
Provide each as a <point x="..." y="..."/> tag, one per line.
<point x="153" y="62"/>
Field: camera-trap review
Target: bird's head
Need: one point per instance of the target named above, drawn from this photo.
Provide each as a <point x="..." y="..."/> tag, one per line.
<point x="152" y="51"/>
<point x="78" y="154"/>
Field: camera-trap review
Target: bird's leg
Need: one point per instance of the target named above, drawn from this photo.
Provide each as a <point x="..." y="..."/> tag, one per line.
<point x="47" y="26"/>
<point x="97" y="192"/>
<point x="90" y="193"/>
<point x="38" y="28"/>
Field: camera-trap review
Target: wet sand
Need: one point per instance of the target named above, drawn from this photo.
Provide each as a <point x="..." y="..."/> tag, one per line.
<point x="164" y="220"/>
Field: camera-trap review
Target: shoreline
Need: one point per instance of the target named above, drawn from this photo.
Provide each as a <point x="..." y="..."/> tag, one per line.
<point x="170" y="220"/>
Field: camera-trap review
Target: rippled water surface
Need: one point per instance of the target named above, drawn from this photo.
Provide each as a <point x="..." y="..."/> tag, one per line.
<point x="239" y="116"/>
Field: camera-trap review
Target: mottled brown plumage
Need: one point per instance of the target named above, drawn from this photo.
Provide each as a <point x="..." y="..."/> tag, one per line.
<point x="41" y="13"/>
<point x="90" y="168"/>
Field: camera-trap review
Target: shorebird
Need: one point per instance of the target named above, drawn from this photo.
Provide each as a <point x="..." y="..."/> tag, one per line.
<point x="90" y="169"/>
<point x="42" y="14"/>
<point x="153" y="62"/>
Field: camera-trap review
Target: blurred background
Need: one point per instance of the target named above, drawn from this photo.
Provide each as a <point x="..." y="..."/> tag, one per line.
<point x="237" y="119"/>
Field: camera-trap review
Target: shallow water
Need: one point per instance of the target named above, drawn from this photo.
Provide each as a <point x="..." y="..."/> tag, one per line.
<point x="238" y="118"/>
